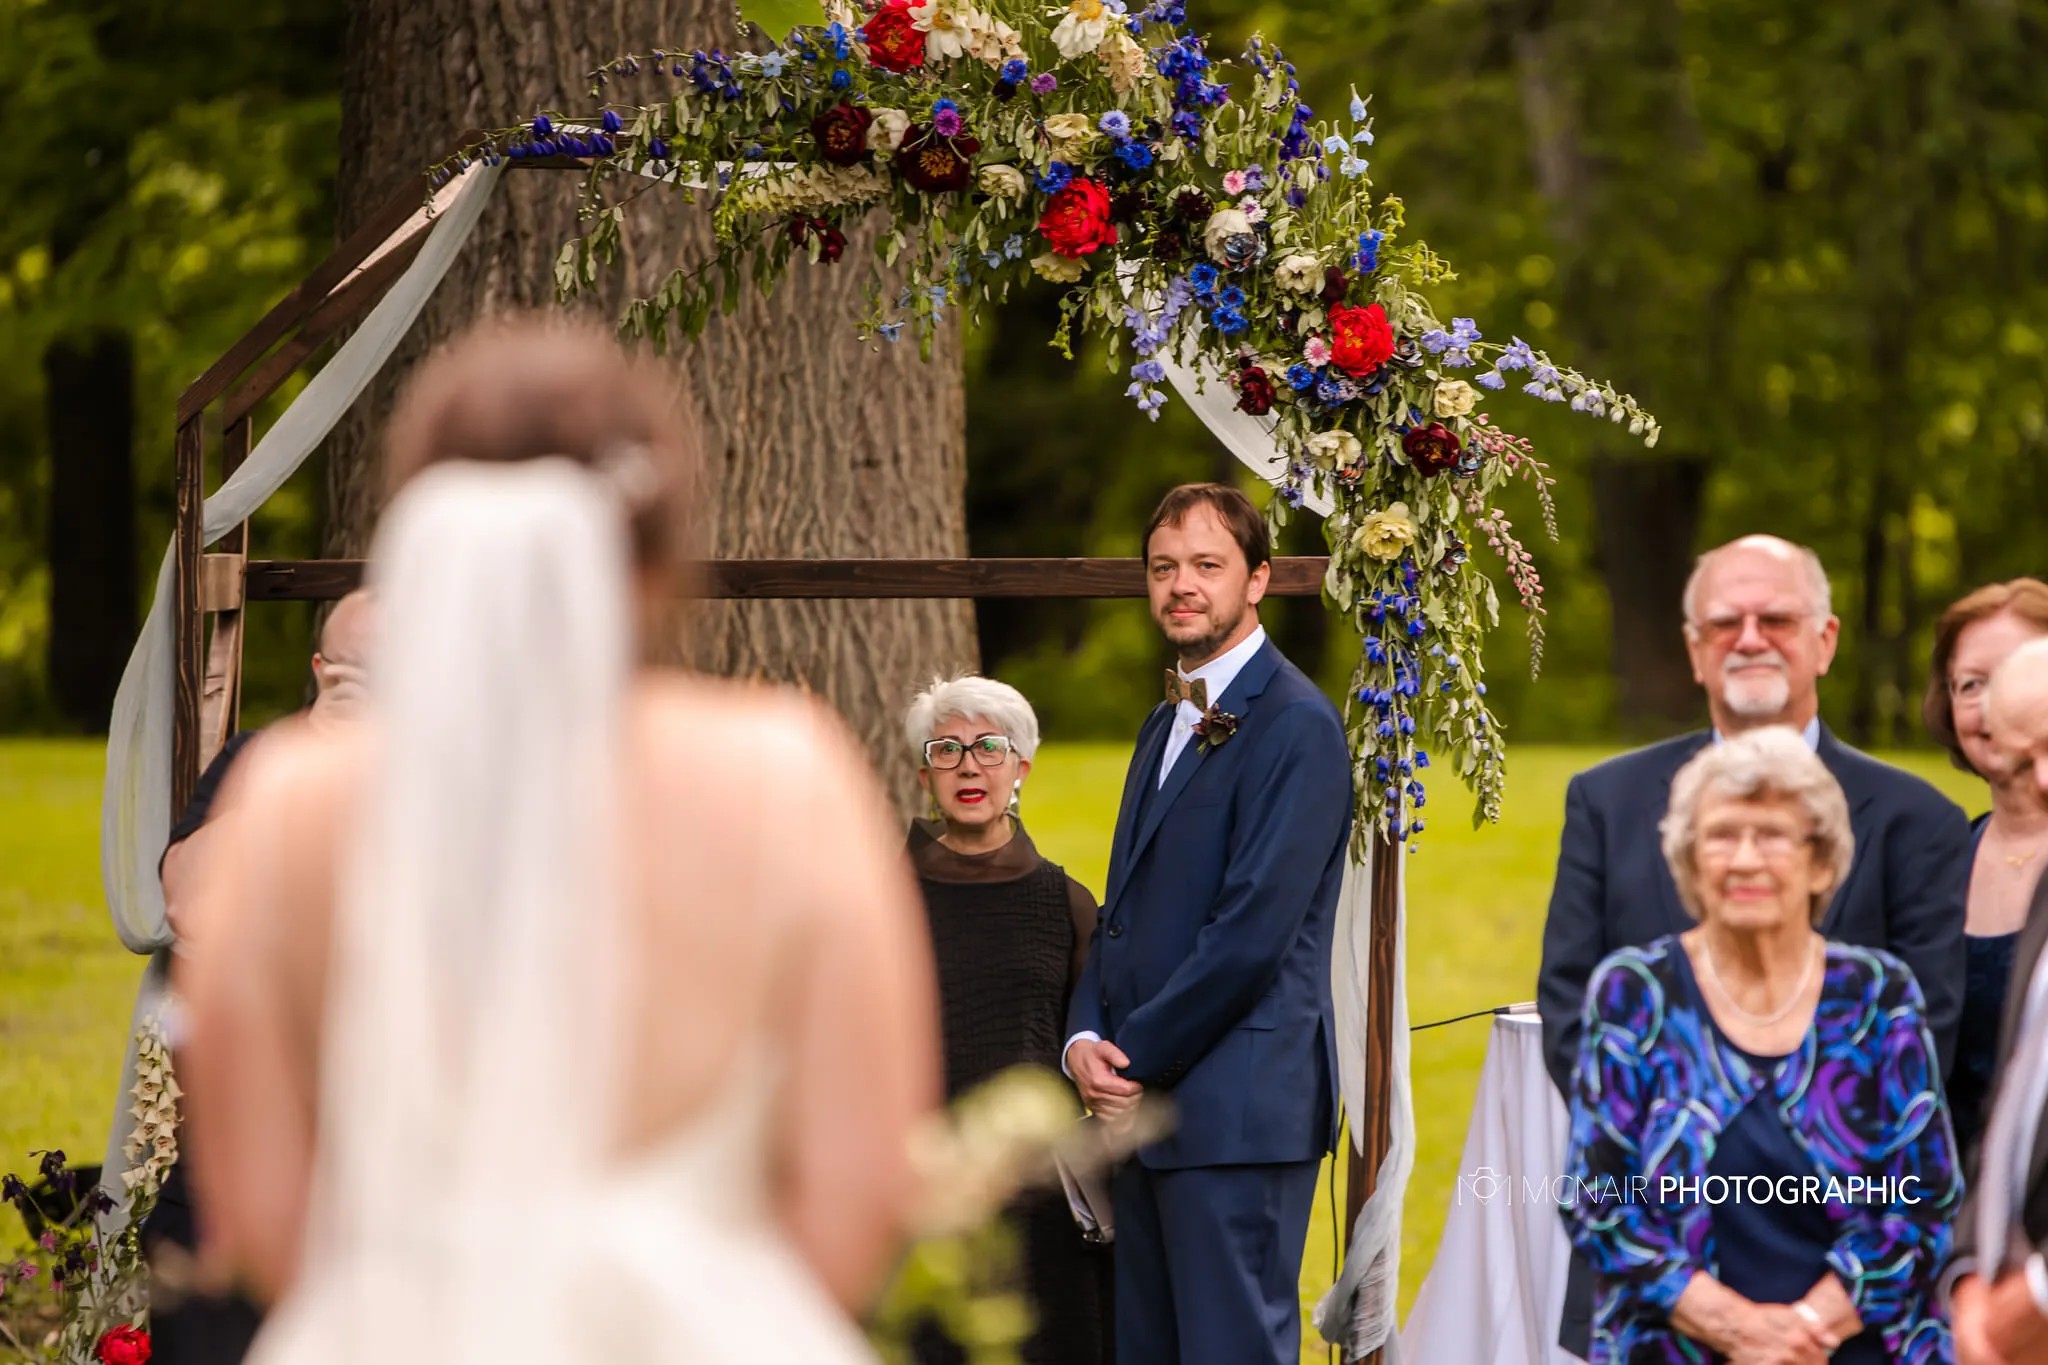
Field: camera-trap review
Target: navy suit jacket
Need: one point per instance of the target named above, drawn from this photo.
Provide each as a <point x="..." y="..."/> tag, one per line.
<point x="1904" y="892"/>
<point x="1210" y="964"/>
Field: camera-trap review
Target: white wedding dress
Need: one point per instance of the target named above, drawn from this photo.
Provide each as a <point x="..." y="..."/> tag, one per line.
<point x="467" y="1200"/>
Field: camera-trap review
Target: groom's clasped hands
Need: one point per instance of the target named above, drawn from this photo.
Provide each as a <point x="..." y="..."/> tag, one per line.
<point x="1110" y="1097"/>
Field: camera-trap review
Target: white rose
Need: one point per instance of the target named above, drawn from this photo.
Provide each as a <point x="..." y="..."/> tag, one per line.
<point x="1455" y="398"/>
<point x="1299" y="274"/>
<point x="1058" y="269"/>
<point x="886" y="133"/>
<point x="1338" y="449"/>
<point x="1002" y="182"/>
<point x="1068" y="131"/>
<point x="1223" y="224"/>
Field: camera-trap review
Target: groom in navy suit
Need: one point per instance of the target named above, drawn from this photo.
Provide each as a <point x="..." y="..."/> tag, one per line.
<point x="1208" y="980"/>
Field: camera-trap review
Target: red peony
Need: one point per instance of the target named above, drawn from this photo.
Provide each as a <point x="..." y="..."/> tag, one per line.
<point x="123" y="1346"/>
<point x="842" y="134"/>
<point x="893" y="40"/>
<point x="1255" y="391"/>
<point x="935" y="164"/>
<point x="1361" y="339"/>
<point x="1431" y="449"/>
<point x="1077" y="221"/>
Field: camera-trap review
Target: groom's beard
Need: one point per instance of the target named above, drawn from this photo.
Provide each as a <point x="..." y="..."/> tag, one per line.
<point x="1219" y="628"/>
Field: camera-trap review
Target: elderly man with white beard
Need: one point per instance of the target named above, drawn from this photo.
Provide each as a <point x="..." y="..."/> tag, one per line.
<point x="1760" y="631"/>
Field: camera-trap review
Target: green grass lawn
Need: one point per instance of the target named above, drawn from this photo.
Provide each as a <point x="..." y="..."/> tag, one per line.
<point x="1476" y="902"/>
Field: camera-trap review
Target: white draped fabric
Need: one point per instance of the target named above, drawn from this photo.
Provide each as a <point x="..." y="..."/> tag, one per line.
<point x="135" y="807"/>
<point x="1496" y="1289"/>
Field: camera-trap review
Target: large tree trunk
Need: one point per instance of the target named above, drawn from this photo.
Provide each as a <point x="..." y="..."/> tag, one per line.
<point x="89" y="418"/>
<point x="817" y="446"/>
<point x="1647" y="507"/>
<point x="89" y="401"/>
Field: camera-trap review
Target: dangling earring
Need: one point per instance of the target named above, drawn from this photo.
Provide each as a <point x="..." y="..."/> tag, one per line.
<point x="932" y="802"/>
<point x="1016" y="795"/>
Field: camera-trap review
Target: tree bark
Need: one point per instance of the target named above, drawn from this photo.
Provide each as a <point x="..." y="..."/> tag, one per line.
<point x="815" y="445"/>
<point x="1646" y="516"/>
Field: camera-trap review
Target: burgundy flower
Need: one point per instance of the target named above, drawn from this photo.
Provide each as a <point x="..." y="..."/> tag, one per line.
<point x="1335" y="284"/>
<point x="935" y="164"/>
<point x="1254" y="391"/>
<point x="1432" y="449"/>
<point x="1193" y="206"/>
<point x="842" y="134"/>
<point x="1169" y="244"/>
<point x="1214" y="728"/>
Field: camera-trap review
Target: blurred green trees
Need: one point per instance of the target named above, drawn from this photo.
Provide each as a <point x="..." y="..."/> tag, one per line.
<point x="1809" y="237"/>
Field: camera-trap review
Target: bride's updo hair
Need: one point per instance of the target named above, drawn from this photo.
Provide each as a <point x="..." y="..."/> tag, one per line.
<point x="530" y="386"/>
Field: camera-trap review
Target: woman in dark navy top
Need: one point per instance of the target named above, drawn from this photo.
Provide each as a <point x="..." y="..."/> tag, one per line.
<point x="2010" y="844"/>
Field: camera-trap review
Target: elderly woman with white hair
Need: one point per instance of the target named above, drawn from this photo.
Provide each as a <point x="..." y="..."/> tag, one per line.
<point x="1765" y="1166"/>
<point x="1010" y="931"/>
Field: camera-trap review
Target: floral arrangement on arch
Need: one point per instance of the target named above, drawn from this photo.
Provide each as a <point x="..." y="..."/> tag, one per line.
<point x="1229" y="231"/>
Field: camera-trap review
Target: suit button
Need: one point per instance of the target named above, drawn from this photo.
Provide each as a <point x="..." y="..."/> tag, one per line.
<point x="1105" y="1000"/>
<point x="1116" y="931"/>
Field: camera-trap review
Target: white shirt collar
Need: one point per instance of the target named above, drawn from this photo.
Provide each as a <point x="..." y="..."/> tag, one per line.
<point x="1220" y="672"/>
<point x="1811" y="734"/>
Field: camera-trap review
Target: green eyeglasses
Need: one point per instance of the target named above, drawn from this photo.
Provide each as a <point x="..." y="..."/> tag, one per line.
<point x="988" y="750"/>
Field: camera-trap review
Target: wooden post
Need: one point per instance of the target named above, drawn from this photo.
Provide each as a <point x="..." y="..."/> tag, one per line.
<point x="220" y="698"/>
<point x="190" y="626"/>
<point x="1376" y="1126"/>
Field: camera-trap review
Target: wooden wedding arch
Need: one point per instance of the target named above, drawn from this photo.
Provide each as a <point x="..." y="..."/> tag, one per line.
<point x="215" y="587"/>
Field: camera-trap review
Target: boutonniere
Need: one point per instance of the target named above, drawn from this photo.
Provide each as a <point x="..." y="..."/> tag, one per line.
<point x="1214" y="728"/>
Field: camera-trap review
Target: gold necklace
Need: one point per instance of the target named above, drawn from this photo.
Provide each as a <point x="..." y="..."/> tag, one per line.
<point x="1755" y="1020"/>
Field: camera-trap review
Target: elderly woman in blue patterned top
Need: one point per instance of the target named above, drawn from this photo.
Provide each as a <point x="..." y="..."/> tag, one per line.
<point x="1747" y="1048"/>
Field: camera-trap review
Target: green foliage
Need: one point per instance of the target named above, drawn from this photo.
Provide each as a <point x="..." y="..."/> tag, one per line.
<point x="182" y="158"/>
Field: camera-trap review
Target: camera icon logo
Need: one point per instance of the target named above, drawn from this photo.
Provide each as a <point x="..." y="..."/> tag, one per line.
<point x="1484" y="1186"/>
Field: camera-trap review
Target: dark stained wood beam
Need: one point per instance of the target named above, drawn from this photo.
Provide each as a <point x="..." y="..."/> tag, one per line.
<point x="283" y="580"/>
<point x="353" y="297"/>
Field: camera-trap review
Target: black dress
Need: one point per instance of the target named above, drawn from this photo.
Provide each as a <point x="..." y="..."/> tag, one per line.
<point x="1987" y="972"/>
<point x="1009" y="932"/>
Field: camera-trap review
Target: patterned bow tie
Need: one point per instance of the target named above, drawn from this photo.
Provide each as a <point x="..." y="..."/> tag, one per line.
<point x="1179" y="689"/>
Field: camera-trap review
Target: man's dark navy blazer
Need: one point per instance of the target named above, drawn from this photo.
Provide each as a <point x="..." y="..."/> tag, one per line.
<point x="1904" y="894"/>
<point x="1210" y="966"/>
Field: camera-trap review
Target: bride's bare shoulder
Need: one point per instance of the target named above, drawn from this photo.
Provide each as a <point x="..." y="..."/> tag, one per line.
<point x="753" y="722"/>
<point x="294" y="765"/>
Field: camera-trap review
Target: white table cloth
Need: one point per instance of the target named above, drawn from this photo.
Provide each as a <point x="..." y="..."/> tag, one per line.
<point x="1496" y="1289"/>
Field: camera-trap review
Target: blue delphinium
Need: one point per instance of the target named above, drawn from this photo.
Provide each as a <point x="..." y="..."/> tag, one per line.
<point x="1300" y="377"/>
<point x="1367" y="258"/>
<point x="1057" y="177"/>
<point x="773" y="65"/>
<point x="1203" y="279"/>
<point x="1015" y="70"/>
<point x="841" y="79"/>
<point x="1136" y="155"/>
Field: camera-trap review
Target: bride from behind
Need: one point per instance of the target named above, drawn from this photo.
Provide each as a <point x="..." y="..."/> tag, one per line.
<point x="564" y="1009"/>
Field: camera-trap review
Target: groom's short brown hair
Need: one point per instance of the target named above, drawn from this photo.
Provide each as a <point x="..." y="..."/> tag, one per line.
<point x="1246" y="523"/>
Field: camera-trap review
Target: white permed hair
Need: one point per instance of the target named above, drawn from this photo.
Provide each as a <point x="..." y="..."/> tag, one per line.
<point x="972" y="697"/>
<point x="1773" y="761"/>
<point x="1819" y="595"/>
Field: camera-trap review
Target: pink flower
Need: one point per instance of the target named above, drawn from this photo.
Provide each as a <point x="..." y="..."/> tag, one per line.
<point x="1233" y="182"/>
<point x="1252" y="209"/>
<point x="1316" y="352"/>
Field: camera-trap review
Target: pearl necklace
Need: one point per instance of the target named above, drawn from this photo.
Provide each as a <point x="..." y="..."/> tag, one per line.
<point x="1728" y="996"/>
